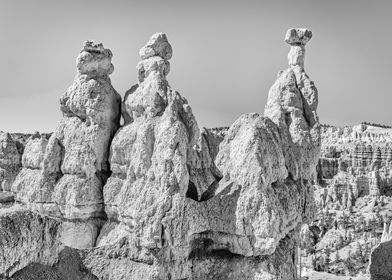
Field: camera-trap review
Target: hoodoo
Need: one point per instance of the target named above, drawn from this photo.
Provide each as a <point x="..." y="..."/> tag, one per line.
<point x="63" y="176"/>
<point x="159" y="198"/>
<point x="202" y="219"/>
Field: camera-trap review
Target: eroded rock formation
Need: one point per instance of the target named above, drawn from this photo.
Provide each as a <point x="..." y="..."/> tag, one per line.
<point x="180" y="202"/>
<point x="63" y="175"/>
<point x="356" y="161"/>
<point x="26" y="238"/>
<point x="10" y="161"/>
<point x="353" y="198"/>
<point x="168" y="192"/>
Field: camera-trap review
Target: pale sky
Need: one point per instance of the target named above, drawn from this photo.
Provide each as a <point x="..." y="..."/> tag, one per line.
<point x="226" y="54"/>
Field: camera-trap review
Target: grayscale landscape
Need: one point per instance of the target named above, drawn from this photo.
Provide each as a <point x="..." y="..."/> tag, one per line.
<point x="137" y="184"/>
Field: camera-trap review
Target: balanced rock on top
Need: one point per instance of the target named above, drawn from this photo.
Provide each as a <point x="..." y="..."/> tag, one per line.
<point x="157" y="153"/>
<point x="298" y="36"/>
<point x="292" y="104"/>
<point x="94" y="59"/>
<point x="158" y="45"/>
<point x="172" y="211"/>
<point x="72" y="165"/>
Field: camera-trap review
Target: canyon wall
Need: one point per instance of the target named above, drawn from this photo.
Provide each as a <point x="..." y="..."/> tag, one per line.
<point x="357" y="161"/>
<point x="353" y="197"/>
<point x="160" y="198"/>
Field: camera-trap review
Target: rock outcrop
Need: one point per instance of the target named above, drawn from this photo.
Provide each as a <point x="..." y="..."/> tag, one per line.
<point x="356" y="161"/>
<point x="292" y="104"/>
<point x="178" y="202"/>
<point x="159" y="151"/>
<point x="10" y="161"/>
<point x="25" y="238"/>
<point x="380" y="266"/>
<point x="63" y="175"/>
<point x="199" y="215"/>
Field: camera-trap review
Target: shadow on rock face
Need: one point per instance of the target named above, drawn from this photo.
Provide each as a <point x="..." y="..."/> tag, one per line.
<point x="69" y="267"/>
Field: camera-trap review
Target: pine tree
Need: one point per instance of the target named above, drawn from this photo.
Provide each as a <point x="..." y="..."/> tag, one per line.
<point x="368" y="249"/>
<point x="327" y="260"/>
<point x="361" y="253"/>
<point x="337" y="258"/>
<point x="345" y="220"/>
<point x="340" y="242"/>
<point x="349" y="265"/>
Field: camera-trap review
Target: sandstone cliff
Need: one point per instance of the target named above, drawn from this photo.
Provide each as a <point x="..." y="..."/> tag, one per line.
<point x="158" y="198"/>
<point x="356" y="161"/>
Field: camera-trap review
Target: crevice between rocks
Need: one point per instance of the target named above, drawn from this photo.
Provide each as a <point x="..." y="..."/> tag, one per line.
<point x="193" y="194"/>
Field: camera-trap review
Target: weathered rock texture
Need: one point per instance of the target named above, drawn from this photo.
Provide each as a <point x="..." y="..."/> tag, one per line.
<point x="63" y="175"/>
<point x="159" y="151"/>
<point x="292" y="104"/>
<point x="181" y="203"/>
<point x="380" y="266"/>
<point x="25" y="238"/>
<point x="197" y="217"/>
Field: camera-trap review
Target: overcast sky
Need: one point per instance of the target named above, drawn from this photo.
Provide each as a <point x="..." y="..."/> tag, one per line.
<point x="226" y="54"/>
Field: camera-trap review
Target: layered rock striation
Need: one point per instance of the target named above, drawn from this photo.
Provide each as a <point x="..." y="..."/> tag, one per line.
<point x="357" y="161"/>
<point x="177" y="202"/>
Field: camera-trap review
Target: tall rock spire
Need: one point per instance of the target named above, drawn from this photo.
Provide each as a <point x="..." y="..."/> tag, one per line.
<point x="159" y="155"/>
<point x="292" y="104"/>
<point x="63" y="176"/>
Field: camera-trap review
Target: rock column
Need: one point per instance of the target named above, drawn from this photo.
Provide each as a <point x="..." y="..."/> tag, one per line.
<point x="63" y="176"/>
